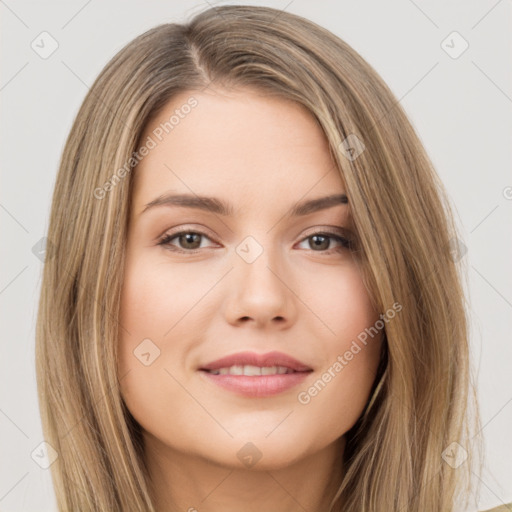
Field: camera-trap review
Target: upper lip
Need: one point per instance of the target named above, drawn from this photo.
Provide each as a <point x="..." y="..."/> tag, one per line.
<point x="254" y="359"/>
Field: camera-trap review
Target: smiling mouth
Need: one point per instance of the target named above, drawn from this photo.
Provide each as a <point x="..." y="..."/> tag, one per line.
<point x="252" y="371"/>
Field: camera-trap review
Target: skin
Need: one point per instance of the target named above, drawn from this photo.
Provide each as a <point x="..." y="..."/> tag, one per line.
<point x="262" y="155"/>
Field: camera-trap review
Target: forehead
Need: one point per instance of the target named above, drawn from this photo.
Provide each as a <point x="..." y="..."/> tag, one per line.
<point x="242" y="144"/>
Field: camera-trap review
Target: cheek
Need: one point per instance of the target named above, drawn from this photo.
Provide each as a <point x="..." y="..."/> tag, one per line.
<point x="340" y="303"/>
<point x="157" y="297"/>
<point x="350" y="346"/>
<point x="158" y="304"/>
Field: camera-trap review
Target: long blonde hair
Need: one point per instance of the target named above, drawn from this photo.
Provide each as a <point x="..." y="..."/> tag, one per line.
<point x="395" y="458"/>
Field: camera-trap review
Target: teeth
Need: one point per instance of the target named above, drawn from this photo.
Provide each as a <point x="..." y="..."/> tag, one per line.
<point x="235" y="370"/>
<point x="251" y="370"/>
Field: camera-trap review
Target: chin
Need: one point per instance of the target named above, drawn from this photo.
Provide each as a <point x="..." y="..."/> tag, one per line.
<point x="261" y="453"/>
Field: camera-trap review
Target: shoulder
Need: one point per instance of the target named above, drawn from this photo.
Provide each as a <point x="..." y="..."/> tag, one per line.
<point x="501" y="508"/>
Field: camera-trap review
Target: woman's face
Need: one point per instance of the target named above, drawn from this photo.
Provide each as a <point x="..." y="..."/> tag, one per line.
<point x="246" y="275"/>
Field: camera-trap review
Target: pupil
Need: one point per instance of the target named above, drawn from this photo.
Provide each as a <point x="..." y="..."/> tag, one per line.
<point x="324" y="241"/>
<point x="189" y="239"/>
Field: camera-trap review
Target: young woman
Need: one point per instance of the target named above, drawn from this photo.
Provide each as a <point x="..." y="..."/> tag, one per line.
<point x="254" y="301"/>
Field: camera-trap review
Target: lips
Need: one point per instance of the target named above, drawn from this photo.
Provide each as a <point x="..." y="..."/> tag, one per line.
<point x="269" y="359"/>
<point x="253" y="375"/>
<point x="239" y="373"/>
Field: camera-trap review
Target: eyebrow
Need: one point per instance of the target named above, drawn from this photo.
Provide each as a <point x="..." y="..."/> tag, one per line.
<point x="215" y="205"/>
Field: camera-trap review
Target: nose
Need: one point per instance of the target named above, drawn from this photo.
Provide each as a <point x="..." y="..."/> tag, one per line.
<point x="261" y="293"/>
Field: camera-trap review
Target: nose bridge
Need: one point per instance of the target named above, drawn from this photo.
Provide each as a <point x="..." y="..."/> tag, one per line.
<point x="258" y="265"/>
<point x="260" y="290"/>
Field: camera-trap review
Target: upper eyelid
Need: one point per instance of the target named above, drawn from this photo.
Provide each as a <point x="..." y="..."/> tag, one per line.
<point x="180" y="230"/>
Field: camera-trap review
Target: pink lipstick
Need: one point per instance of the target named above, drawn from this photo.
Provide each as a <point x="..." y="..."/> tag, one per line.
<point x="256" y="375"/>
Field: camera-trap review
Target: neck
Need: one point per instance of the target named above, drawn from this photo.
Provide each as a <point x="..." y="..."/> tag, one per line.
<point x="184" y="482"/>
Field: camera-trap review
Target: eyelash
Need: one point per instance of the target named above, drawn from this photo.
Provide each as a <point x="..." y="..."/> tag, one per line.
<point x="168" y="237"/>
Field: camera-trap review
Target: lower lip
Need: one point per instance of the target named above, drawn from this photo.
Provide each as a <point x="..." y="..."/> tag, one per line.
<point x="257" y="386"/>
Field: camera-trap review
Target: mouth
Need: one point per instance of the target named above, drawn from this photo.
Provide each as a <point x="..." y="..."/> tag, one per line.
<point x="252" y="371"/>
<point x="256" y="375"/>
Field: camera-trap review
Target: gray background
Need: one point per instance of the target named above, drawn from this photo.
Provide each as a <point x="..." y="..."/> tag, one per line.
<point x="461" y="108"/>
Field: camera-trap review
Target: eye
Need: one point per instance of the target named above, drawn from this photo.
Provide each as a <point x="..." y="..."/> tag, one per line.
<point x="188" y="241"/>
<point x="322" y="242"/>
